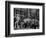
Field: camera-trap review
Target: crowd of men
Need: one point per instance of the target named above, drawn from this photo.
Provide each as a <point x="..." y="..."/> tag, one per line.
<point x="26" y="22"/>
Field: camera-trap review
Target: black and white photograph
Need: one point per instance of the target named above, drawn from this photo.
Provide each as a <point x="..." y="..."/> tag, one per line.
<point x="24" y="18"/>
